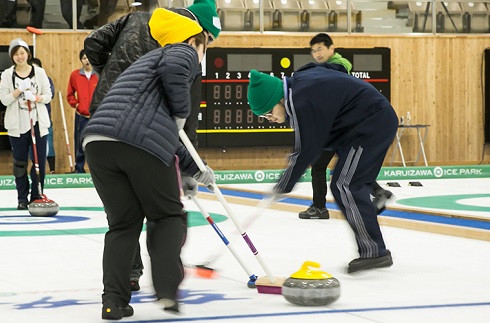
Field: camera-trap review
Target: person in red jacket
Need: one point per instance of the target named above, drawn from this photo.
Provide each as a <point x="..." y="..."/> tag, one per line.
<point x="81" y="88"/>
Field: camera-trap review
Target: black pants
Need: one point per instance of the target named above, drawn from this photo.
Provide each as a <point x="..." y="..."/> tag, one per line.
<point x="67" y="12"/>
<point x="37" y="12"/>
<point x="352" y="182"/>
<point x="134" y="185"/>
<point x="80" y="124"/>
<point x="22" y="149"/>
<point x="319" y="179"/>
<point x="8" y="17"/>
<point x="190" y="128"/>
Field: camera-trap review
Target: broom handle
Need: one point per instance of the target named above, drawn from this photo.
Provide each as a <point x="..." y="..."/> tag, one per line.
<point x="34" y="149"/>
<point x="217" y="192"/>
<point x="66" y="132"/>
<point x="223" y="238"/>
<point x="263" y="205"/>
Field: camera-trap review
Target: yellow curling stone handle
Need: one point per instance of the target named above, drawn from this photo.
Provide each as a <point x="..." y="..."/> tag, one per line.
<point x="306" y="273"/>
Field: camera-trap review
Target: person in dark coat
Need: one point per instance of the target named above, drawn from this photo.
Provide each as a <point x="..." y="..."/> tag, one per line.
<point x="135" y="156"/>
<point x="323" y="51"/>
<point x="330" y="110"/>
<point x="112" y="48"/>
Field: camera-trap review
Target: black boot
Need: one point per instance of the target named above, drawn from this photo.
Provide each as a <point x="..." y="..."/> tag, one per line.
<point x="110" y="311"/>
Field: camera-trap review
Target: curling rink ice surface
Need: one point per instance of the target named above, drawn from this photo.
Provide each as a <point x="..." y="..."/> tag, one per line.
<point x="438" y="235"/>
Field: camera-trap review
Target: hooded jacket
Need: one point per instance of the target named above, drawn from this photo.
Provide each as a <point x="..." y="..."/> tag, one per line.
<point x="140" y="107"/>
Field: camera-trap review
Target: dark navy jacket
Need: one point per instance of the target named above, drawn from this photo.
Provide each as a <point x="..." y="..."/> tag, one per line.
<point x="140" y="107"/>
<point x="329" y="109"/>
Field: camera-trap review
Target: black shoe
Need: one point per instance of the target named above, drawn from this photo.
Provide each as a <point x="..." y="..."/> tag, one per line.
<point x="22" y="206"/>
<point x="314" y="213"/>
<point x="380" y="200"/>
<point x="135" y="284"/>
<point x="370" y="263"/>
<point x="169" y="305"/>
<point x="110" y="311"/>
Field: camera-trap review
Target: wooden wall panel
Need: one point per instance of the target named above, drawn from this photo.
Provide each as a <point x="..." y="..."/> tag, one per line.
<point x="437" y="78"/>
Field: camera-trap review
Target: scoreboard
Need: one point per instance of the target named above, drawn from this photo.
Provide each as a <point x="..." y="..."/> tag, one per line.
<point x="226" y="119"/>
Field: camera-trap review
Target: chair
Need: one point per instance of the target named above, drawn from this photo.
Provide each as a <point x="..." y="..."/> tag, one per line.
<point x="448" y="17"/>
<point x="422" y="19"/>
<point x="173" y="3"/>
<point x="316" y="15"/>
<point x="453" y="15"/>
<point x="475" y="17"/>
<point x="338" y="16"/>
<point x="232" y="15"/>
<point x="287" y="15"/>
<point x="253" y="9"/>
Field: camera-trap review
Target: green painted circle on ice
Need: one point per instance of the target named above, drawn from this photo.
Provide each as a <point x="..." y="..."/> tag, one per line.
<point x="463" y="202"/>
<point x="194" y="219"/>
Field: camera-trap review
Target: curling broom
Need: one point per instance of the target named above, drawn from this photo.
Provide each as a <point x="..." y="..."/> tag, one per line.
<point x="274" y="285"/>
<point x="66" y="133"/>
<point x="34" y="32"/>
<point x="42" y="206"/>
<point x="218" y="252"/>
<point x="205" y="271"/>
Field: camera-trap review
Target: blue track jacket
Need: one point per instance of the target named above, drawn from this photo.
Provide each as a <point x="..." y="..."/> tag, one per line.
<point x="329" y="109"/>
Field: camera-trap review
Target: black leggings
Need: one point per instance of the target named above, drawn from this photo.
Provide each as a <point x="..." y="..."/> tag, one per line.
<point x="134" y="185"/>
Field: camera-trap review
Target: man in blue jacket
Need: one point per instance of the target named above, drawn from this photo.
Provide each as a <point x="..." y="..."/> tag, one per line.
<point x="330" y="110"/>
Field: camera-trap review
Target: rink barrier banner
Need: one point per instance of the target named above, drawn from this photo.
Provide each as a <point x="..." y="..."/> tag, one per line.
<point x="434" y="172"/>
<point x="272" y="176"/>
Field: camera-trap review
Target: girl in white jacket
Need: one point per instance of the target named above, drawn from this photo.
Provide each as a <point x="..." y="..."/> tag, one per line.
<point x="19" y="84"/>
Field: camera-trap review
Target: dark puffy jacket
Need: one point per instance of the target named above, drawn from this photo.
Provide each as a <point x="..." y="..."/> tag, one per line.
<point x="112" y="48"/>
<point x="140" y="107"/>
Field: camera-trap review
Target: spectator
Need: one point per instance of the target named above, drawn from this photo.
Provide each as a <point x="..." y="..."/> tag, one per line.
<point x="81" y="87"/>
<point x="22" y="85"/>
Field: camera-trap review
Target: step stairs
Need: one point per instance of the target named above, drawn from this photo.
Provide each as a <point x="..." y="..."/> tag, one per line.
<point x="377" y="18"/>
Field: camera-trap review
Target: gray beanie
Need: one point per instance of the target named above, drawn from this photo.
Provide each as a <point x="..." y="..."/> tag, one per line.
<point x="16" y="43"/>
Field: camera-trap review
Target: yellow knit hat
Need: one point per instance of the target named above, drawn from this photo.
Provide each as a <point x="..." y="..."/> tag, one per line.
<point x="168" y="27"/>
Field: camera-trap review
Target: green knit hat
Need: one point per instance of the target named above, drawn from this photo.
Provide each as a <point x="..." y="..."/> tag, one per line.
<point x="206" y="13"/>
<point x="264" y="92"/>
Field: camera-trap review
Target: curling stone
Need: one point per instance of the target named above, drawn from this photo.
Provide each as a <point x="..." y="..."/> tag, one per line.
<point x="43" y="207"/>
<point x="311" y="287"/>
